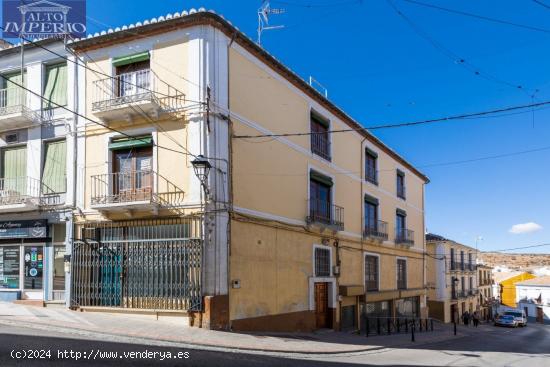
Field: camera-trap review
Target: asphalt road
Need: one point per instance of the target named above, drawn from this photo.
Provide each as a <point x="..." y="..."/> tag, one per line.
<point x="496" y="347"/>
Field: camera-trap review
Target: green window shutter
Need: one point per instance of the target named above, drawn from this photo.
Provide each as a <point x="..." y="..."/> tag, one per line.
<point x="316" y="176"/>
<point x="14" y="169"/>
<point x="131" y="59"/>
<point x="55" y="167"/>
<point x="55" y="88"/>
<point x="371" y="199"/>
<point x="127" y="143"/>
<point x="14" y="93"/>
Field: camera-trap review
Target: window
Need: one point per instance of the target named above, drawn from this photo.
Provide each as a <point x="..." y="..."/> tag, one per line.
<point x="11" y="94"/>
<point x="9" y="267"/>
<point x="55" y="86"/>
<point x="34" y="266"/>
<point x="401" y="274"/>
<point x="322" y="262"/>
<point x="400" y="184"/>
<point x="55" y="167"/>
<point x="371" y="273"/>
<point x="400" y="225"/>
<point x="453" y="287"/>
<point x="463" y="284"/>
<point x="461" y="260"/>
<point x="471" y="284"/>
<point x="320" y="208"/>
<point x="133" y="74"/>
<point x="320" y="141"/>
<point x="453" y="265"/>
<point x="14" y="173"/>
<point x="371" y="173"/>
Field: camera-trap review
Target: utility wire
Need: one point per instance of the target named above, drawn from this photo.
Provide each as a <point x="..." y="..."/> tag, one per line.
<point x="542" y="4"/>
<point x="477" y="16"/>
<point x="403" y="124"/>
<point x="317" y="5"/>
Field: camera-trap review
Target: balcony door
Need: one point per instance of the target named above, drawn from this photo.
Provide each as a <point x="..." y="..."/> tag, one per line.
<point x="133" y="177"/>
<point x="134" y="79"/>
<point x="13" y="185"/>
<point x="320" y="200"/>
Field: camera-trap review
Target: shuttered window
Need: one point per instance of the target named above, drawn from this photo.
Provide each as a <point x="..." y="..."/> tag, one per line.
<point x="55" y="167"/>
<point x="55" y="86"/>
<point x="14" y="170"/>
<point x="12" y="94"/>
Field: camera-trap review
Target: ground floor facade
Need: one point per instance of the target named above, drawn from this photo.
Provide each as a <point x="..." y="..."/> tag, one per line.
<point x="449" y="310"/>
<point x="32" y="257"/>
<point x="287" y="279"/>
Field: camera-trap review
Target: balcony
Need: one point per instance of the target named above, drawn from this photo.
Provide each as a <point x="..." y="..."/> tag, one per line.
<point x="24" y="194"/>
<point x="324" y="214"/>
<point x="377" y="230"/>
<point x="404" y="236"/>
<point x="138" y="93"/>
<point x="135" y="190"/>
<point x="454" y="294"/>
<point x="14" y="110"/>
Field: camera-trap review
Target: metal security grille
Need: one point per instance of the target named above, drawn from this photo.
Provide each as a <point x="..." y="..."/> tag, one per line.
<point x="152" y="265"/>
<point x="322" y="262"/>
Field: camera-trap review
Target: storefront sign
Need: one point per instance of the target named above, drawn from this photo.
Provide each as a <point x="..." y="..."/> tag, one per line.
<point x="24" y="229"/>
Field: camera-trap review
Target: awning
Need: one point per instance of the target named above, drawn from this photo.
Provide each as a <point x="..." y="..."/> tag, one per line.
<point x="127" y="143"/>
<point x="131" y="59"/>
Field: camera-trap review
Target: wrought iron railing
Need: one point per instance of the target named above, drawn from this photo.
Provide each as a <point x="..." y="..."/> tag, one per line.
<point x="371" y="326"/>
<point x="22" y="190"/>
<point x="135" y="186"/>
<point x="320" y="145"/>
<point x="323" y="212"/>
<point x="377" y="230"/>
<point x="404" y="236"/>
<point x="153" y="264"/>
<point x="13" y="100"/>
<point x="135" y="87"/>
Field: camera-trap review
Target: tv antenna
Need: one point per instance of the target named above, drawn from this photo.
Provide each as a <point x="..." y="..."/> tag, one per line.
<point x="264" y="13"/>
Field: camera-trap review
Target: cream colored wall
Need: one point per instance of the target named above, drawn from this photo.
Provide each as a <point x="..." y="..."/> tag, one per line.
<point x="272" y="177"/>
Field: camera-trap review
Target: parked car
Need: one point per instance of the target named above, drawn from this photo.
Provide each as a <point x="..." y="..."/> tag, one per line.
<point x="519" y="316"/>
<point x="506" y="320"/>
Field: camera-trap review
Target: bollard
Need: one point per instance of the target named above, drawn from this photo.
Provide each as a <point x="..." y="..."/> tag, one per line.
<point x="412" y="331"/>
<point x="407" y="326"/>
<point x="398" y="327"/>
<point x="389" y="326"/>
<point x="426" y="328"/>
<point x="454" y="323"/>
<point x="432" y="324"/>
<point x="367" y="326"/>
<point x="420" y="325"/>
<point x="378" y="325"/>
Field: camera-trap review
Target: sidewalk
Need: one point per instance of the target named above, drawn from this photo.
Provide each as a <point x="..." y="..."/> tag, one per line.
<point x="147" y="328"/>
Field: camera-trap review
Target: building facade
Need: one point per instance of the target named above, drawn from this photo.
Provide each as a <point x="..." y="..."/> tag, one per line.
<point x="485" y="286"/>
<point x="176" y="212"/>
<point x="505" y="286"/>
<point x="37" y="178"/>
<point x="533" y="296"/>
<point x="452" y="279"/>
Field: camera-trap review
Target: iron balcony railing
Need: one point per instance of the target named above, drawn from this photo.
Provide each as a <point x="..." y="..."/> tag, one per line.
<point x="13" y="100"/>
<point x="454" y="294"/>
<point x="404" y="236"/>
<point x="462" y="294"/>
<point x="371" y="175"/>
<point x="320" y="145"/>
<point x="371" y="325"/>
<point x="135" y="87"/>
<point x="325" y="213"/>
<point x="22" y="190"/>
<point x="378" y="230"/>
<point x="135" y="186"/>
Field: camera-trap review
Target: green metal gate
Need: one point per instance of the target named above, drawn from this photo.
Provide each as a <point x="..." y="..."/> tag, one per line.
<point x="153" y="264"/>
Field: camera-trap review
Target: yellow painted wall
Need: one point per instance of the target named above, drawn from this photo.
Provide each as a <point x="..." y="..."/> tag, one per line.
<point x="508" y="288"/>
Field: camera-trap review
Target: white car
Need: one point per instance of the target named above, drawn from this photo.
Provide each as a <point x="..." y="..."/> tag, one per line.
<point x="519" y="316"/>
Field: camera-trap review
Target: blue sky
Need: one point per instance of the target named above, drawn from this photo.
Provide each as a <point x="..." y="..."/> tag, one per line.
<point x="379" y="70"/>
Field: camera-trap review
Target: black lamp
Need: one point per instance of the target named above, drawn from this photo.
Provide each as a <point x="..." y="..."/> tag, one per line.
<point x="202" y="167"/>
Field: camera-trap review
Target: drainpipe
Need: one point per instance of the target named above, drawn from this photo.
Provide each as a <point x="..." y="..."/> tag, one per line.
<point x="361" y="179"/>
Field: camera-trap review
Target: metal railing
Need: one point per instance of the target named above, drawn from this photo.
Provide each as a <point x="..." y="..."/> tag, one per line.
<point x="13" y="100"/>
<point x="135" y="87"/>
<point x="153" y="264"/>
<point x="21" y="190"/>
<point x="320" y="145"/>
<point x="135" y="186"/>
<point x="371" y="326"/>
<point x="378" y="230"/>
<point x="321" y="211"/>
<point x="404" y="236"/>
<point x="462" y="294"/>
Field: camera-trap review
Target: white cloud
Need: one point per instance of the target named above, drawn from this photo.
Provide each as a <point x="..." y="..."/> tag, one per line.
<point x="525" y="228"/>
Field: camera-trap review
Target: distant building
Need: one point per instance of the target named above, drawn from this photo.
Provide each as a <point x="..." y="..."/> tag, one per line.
<point x="533" y="296"/>
<point x="451" y="278"/>
<point x="485" y="287"/>
<point x="505" y="286"/>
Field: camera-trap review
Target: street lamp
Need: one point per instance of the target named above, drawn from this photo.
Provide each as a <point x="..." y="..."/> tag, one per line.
<point x="202" y="167"/>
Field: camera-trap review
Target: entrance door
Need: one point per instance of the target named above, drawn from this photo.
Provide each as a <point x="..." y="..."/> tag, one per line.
<point x="321" y="305"/>
<point x="540" y="316"/>
<point x="33" y="271"/>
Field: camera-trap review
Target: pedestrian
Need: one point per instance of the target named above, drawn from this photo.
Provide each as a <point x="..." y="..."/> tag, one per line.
<point x="466" y="318"/>
<point x="476" y="319"/>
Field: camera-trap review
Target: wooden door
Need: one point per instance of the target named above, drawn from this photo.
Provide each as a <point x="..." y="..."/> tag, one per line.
<point x="321" y="305"/>
<point x="540" y="316"/>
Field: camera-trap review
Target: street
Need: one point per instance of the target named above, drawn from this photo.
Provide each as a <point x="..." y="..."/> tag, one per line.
<point x="492" y="346"/>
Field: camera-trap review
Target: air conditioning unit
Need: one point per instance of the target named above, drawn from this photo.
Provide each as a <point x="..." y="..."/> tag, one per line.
<point x="11" y="138"/>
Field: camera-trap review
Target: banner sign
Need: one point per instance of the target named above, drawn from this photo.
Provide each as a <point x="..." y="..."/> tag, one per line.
<point x="24" y="229"/>
<point x="43" y="19"/>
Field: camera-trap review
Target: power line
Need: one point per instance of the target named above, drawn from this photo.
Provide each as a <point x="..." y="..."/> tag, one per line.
<point x="318" y="5"/>
<point x="403" y="124"/>
<point x="450" y="54"/>
<point x="542" y="4"/>
<point x="477" y="16"/>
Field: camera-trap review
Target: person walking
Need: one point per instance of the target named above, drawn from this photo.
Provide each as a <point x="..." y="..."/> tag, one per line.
<point x="466" y="318"/>
<point x="476" y="319"/>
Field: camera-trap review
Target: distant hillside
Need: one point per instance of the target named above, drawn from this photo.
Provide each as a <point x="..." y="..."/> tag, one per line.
<point x="515" y="261"/>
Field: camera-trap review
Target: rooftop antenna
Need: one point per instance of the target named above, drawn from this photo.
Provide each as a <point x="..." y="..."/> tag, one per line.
<point x="318" y="86"/>
<point x="264" y="12"/>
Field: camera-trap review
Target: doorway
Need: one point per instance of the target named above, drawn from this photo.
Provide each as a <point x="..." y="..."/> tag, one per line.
<point x="33" y="271"/>
<point x="321" y="306"/>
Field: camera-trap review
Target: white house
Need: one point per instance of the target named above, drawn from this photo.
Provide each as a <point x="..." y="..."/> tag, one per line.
<point x="533" y="296"/>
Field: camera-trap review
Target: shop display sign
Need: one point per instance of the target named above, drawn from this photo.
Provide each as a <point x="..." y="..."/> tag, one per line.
<point x="24" y="229"/>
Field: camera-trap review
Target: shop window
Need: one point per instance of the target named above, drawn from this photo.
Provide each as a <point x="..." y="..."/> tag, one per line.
<point x="9" y="267"/>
